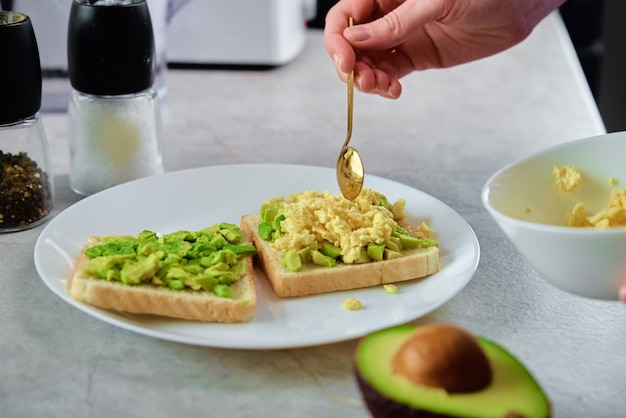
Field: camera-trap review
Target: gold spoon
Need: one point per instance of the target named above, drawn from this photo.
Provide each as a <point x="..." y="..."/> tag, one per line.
<point x="350" y="171"/>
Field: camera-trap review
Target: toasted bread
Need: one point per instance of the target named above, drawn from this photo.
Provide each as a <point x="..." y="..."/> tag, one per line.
<point x="314" y="279"/>
<point x="200" y="305"/>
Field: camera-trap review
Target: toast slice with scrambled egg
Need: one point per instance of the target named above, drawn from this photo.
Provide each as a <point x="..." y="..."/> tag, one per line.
<point x="157" y="275"/>
<point x="338" y="244"/>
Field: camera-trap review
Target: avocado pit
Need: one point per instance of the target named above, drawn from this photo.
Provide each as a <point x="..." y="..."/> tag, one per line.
<point x="443" y="356"/>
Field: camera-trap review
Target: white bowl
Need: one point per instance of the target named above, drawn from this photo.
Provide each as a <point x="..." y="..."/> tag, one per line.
<point x="525" y="203"/>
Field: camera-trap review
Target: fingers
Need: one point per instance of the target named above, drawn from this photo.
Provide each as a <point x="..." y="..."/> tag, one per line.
<point x="376" y="81"/>
<point x="337" y="47"/>
<point x="396" y="26"/>
<point x="341" y="52"/>
<point x="369" y="79"/>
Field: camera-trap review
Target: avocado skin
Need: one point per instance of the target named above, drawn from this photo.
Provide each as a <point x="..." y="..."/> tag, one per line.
<point x="382" y="407"/>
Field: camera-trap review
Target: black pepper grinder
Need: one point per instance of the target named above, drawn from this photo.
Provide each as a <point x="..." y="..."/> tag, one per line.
<point x="115" y="132"/>
<point x="26" y="189"/>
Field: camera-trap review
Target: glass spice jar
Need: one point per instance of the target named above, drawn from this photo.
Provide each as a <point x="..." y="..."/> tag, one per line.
<point x="26" y="185"/>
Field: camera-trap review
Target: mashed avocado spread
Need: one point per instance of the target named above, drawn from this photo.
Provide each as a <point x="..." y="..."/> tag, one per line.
<point x="210" y="259"/>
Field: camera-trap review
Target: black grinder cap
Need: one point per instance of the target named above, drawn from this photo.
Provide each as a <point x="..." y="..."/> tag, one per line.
<point x="110" y="48"/>
<point x="20" y="68"/>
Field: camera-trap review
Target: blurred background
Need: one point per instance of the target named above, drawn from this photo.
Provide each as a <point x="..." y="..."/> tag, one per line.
<point x="262" y="34"/>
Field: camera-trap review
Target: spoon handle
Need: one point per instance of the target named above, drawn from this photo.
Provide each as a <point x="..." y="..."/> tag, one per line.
<point x="350" y="99"/>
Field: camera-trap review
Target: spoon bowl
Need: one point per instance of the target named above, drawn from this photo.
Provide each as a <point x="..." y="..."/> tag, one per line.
<point x="350" y="173"/>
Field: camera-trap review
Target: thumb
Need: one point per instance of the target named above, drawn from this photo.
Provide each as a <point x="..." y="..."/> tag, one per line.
<point x="394" y="27"/>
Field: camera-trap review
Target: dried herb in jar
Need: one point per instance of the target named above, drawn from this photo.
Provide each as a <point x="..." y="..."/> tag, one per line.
<point x="25" y="193"/>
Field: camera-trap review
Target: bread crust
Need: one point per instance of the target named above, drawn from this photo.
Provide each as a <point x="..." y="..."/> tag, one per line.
<point x="162" y="301"/>
<point x="312" y="279"/>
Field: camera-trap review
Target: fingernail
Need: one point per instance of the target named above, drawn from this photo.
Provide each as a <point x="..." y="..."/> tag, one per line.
<point x="359" y="33"/>
<point x="392" y="94"/>
<point x="337" y="61"/>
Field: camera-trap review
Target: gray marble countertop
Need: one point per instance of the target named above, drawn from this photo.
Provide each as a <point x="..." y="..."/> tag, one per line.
<point x="448" y="133"/>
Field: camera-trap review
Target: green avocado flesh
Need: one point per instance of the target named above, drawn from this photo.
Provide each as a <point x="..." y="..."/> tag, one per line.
<point x="207" y="260"/>
<point x="513" y="392"/>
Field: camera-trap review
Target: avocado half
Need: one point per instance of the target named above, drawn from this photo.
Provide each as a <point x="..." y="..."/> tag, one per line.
<point x="511" y="392"/>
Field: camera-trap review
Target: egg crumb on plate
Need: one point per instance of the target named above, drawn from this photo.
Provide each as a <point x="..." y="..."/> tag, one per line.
<point x="390" y="288"/>
<point x="352" y="304"/>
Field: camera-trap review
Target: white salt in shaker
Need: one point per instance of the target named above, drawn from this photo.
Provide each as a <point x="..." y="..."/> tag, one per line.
<point x="115" y="132"/>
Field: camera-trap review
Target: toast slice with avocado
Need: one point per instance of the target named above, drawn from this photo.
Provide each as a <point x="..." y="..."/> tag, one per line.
<point x="204" y="275"/>
<point x="314" y="243"/>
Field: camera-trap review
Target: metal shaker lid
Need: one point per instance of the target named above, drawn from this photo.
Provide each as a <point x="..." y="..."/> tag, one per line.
<point x="110" y="47"/>
<point x="20" y="68"/>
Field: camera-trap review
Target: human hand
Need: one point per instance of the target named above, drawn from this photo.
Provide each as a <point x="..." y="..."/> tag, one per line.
<point x="392" y="38"/>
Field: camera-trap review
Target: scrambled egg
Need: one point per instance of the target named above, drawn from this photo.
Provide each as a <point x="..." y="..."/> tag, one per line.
<point x="352" y="304"/>
<point x="312" y="217"/>
<point x="613" y="215"/>
<point x="390" y="288"/>
<point x="567" y="179"/>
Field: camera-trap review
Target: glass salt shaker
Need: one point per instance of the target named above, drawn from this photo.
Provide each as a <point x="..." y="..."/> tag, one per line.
<point x="26" y="185"/>
<point x="115" y="132"/>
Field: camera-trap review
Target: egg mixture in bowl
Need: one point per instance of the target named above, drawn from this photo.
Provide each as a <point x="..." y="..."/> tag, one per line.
<point x="563" y="209"/>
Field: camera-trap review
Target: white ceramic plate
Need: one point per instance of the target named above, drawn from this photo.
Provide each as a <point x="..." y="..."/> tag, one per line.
<point x="193" y="199"/>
